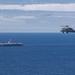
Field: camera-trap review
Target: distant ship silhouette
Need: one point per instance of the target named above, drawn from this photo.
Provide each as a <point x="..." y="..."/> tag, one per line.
<point x="10" y="43"/>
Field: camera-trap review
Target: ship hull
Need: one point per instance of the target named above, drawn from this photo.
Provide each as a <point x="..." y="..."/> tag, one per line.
<point x="11" y="44"/>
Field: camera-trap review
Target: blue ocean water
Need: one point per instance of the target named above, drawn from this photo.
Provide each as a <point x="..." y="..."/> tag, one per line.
<point x="42" y="54"/>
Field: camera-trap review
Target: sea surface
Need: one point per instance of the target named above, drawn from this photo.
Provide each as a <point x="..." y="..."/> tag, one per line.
<point x="42" y="54"/>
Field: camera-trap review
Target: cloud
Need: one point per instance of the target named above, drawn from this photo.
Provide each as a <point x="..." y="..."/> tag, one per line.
<point x="15" y="18"/>
<point x="40" y="7"/>
<point x="24" y="17"/>
<point x="63" y="16"/>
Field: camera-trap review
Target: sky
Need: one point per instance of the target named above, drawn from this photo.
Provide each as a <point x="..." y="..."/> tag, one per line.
<point x="36" y="15"/>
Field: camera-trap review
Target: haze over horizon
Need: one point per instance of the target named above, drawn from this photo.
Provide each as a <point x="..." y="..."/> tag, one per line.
<point x="36" y="15"/>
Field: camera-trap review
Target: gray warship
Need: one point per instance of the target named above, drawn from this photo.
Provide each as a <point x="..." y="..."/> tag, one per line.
<point x="10" y="43"/>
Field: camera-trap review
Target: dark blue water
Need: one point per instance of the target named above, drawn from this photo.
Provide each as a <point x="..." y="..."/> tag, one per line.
<point x="42" y="54"/>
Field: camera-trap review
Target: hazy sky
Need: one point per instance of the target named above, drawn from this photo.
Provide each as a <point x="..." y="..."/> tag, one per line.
<point x="36" y="15"/>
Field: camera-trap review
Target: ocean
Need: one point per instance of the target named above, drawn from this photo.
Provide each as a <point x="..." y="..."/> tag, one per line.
<point x="42" y="54"/>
